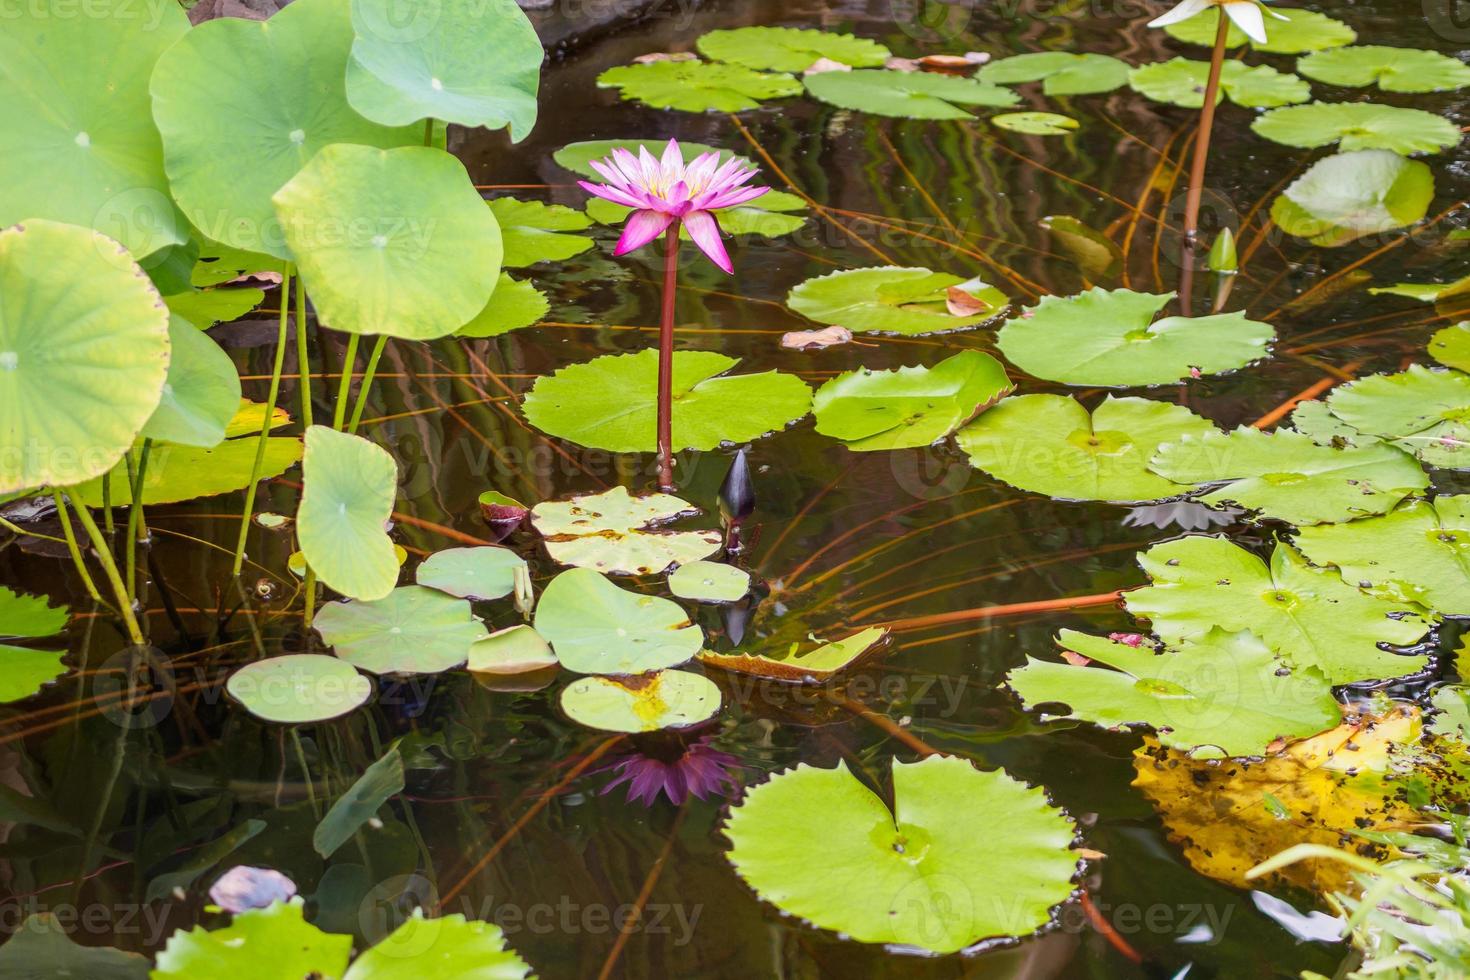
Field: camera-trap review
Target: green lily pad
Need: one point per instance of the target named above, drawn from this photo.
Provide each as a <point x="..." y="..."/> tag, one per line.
<point x="789" y="49"/>
<point x="617" y="533"/>
<point x="694" y="86"/>
<point x="77" y="123"/>
<point x="795" y="665"/>
<point x="348" y="488"/>
<point x="242" y="105"/>
<point x="1359" y="126"/>
<point x="450" y="945"/>
<point x="769" y="216"/>
<point x="1450" y="346"/>
<point x="1182" y="82"/>
<point x="513" y="305"/>
<point x="917" y="876"/>
<point x="1308" y="616"/>
<point x="597" y="628"/>
<point x="1391" y="69"/>
<point x="908" y="406"/>
<point x="178" y="473"/>
<point x="275" y="941"/>
<point x="577" y="157"/>
<point x="517" y="650"/>
<point x="889" y="299"/>
<point x="1224" y="694"/>
<point x="1060" y="72"/>
<point x="84" y="352"/>
<point x="1110" y="338"/>
<point x="471" y="573"/>
<point x="1425" y="411"/>
<point x="645" y="703"/>
<point x="1315" y="419"/>
<point x="1286" y="476"/>
<point x="1301" y="31"/>
<point x="413" y="630"/>
<point x="611" y="402"/>
<point x="30" y="615"/>
<point x="1050" y="444"/>
<point x="1036" y="123"/>
<point x="709" y="581"/>
<point x="41" y="949"/>
<point x="200" y="393"/>
<point x="1419" y="552"/>
<point x="24" y="671"/>
<point x="1349" y="195"/>
<point x="906" y="94"/>
<point x="299" y="688"/>
<point x="533" y="231"/>
<point x="391" y="242"/>
<point x="203" y="308"/>
<point x="469" y="62"/>
<point x="1424" y="292"/>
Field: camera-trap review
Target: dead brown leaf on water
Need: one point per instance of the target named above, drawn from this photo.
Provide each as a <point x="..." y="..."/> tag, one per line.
<point x="822" y="65"/>
<point x="656" y="56"/>
<point x="816" y="339"/>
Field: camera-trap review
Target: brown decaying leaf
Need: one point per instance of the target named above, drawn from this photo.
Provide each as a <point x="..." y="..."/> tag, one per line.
<point x="824" y="65"/>
<point x="816" y="339"/>
<point x="654" y="56"/>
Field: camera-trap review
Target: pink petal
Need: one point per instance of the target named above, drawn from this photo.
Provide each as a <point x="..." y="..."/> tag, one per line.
<point x="642" y="228"/>
<point x="610" y="173"/>
<point x="728" y="199"/>
<point x="672" y="163"/>
<point x="627" y="163"/>
<point x="611" y="194"/>
<point x="705" y="231"/>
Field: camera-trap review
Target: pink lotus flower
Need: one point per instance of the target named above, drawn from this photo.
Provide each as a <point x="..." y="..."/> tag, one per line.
<point x="662" y="192"/>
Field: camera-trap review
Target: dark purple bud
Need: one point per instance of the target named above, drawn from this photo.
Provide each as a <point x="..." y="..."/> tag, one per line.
<point x="737" y="493"/>
<point x="503" y="514"/>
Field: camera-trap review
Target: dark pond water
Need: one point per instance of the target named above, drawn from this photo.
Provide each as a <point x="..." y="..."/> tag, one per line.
<point x="509" y="823"/>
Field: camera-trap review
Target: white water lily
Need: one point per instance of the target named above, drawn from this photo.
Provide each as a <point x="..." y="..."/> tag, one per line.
<point x="1245" y="14"/>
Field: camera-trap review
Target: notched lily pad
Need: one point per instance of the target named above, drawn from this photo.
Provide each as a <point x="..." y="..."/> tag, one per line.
<point x="1182" y="82"/>
<point x="595" y="627"/>
<point x="1391" y="69"/>
<point x="917" y="876"/>
<point x="299" y="688"/>
<point x="694" y="86"/>
<point x="798" y="665"/>
<point x="533" y="231"/>
<point x="471" y="573"/>
<point x="412" y="630"/>
<point x="709" y="581"/>
<point x="1036" y="123"/>
<point x="30" y="615"/>
<point x="642" y="703"/>
<point x="906" y="94"/>
<point x="1358" y="126"/>
<point x="1422" y="410"/>
<point x="617" y="533"/>
<point x="1060" y="72"/>
<point x="348" y="486"/>
<point x="890" y="299"/>
<point x="789" y="48"/>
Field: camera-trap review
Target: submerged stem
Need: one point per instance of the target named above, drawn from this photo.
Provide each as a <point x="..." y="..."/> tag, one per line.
<point x="265" y="426"/>
<point x="344" y="383"/>
<point x="1202" y="142"/>
<point x="666" y="361"/>
<point x="366" y="384"/>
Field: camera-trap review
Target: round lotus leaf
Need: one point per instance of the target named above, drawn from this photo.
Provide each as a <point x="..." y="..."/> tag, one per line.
<point x="275" y="941"/>
<point x="29" y="615"/>
<point x="612" y="402"/>
<point x="24" y="671"/>
<point x="709" y="581"/>
<point x="299" y="688"/>
<point x="694" y="86"/>
<point x="645" y="703"/>
<point x="1060" y="72"/>
<point x="1110" y="338"/>
<point x="178" y="473"/>
<point x="1391" y="69"/>
<point x="348" y="486"/>
<point x="890" y="299"/>
<point x="471" y="573"/>
<point x="918" y="875"/>
<point x="1300" y="31"/>
<point x="1050" y="444"/>
<point x="597" y="628"/>
<point x="1349" y="195"/>
<point x="906" y="94"/>
<point x="1182" y="82"/>
<point x="1419" y="552"/>
<point x="908" y="406"/>
<point x="1359" y="126"/>
<point x="453" y="946"/>
<point x="200" y="393"/>
<point x="617" y="533"/>
<point x="84" y="352"/>
<point x="243" y="105"/>
<point x="1286" y="476"/>
<point x="1222" y="694"/>
<point x="77" y="123"/>
<point x="517" y="650"/>
<point x="513" y="305"/>
<point x="1308" y="616"/>
<point x="1450" y="346"/>
<point x="470" y="62"/>
<point x="412" y="630"/>
<point x="790" y="48"/>
<point x="393" y="242"/>
<point x="577" y="157"/>
<point x="1036" y="123"/>
<point x="1425" y="411"/>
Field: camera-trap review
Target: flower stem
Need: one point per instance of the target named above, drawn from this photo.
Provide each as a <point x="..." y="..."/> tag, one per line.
<point x="71" y="546"/>
<point x="666" y="361"/>
<point x="265" y="426"/>
<point x="114" y="577"/>
<point x="137" y="525"/>
<point x="366" y="384"/>
<point x="303" y="360"/>
<point x="1202" y="141"/>
<point x="344" y="382"/>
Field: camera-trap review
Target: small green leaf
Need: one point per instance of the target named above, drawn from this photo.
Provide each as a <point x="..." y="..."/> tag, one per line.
<point x="1036" y="123"/>
<point x="203" y="308"/>
<point x="709" y="581"/>
<point x="517" y="650"/>
<point x="795" y="665"/>
<point x="597" y="628"/>
<point x="412" y="630"/>
<point x="513" y="305"/>
<point x="694" y="86"/>
<point x="382" y="781"/>
<point x="889" y="299"/>
<point x="1450" y="346"/>
<point x="645" y="703"/>
<point x="906" y="94"/>
<point x="299" y="688"/>
<point x="348" y="488"/>
<point x="200" y="393"/>
<point x="533" y="231"/>
<point x="30" y="615"/>
<point x="471" y="573"/>
<point x="23" y="671"/>
<point x="789" y="49"/>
